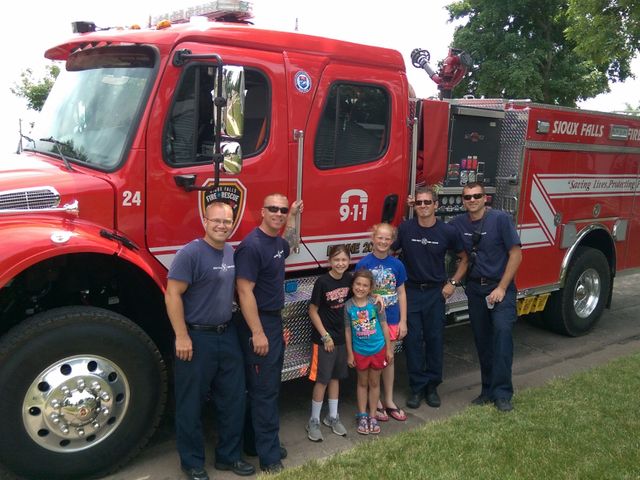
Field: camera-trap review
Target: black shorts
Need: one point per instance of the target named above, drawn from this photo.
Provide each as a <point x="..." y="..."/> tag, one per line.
<point x="327" y="366"/>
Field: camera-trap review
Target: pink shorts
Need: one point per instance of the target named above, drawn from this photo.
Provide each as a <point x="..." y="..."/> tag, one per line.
<point x="393" y="332"/>
<point x="377" y="361"/>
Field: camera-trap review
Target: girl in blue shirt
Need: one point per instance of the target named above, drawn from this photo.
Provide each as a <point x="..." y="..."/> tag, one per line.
<point x="369" y="349"/>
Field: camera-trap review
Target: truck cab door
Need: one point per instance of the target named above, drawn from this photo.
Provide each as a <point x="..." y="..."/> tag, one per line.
<point x="355" y="168"/>
<point x="180" y="142"/>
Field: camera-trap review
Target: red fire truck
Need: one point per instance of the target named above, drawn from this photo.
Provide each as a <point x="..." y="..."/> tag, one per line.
<point x="144" y="127"/>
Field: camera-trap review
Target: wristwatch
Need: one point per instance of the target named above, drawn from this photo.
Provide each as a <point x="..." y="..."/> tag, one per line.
<point x="455" y="283"/>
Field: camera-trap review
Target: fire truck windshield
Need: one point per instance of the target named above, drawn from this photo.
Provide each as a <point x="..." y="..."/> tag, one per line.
<point x="94" y="106"/>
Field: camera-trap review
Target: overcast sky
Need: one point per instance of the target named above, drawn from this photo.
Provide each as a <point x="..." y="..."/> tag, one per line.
<point x="30" y="27"/>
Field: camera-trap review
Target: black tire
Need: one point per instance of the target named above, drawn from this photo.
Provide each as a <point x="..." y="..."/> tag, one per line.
<point x="576" y="309"/>
<point x="538" y="320"/>
<point x="109" y="382"/>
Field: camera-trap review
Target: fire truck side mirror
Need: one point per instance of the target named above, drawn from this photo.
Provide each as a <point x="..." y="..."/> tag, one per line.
<point x="234" y="92"/>
<point x="231" y="157"/>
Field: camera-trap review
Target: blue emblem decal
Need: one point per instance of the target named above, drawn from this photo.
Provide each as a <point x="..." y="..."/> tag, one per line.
<point x="303" y="82"/>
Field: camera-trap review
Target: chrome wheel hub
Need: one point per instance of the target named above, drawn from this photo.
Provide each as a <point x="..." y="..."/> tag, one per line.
<point x="587" y="293"/>
<point x="75" y="403"/>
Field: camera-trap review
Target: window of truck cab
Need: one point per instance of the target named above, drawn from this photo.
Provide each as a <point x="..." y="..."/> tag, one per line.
<point x="189" y="130"/>
<point x="354" y="126"/>
<point x="94" y="108"/>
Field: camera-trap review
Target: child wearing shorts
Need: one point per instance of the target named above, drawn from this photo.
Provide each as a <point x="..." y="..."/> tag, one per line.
<point x="389" y="276"/>
<point x="329" y="356"/>
<point x="368" y="348"/>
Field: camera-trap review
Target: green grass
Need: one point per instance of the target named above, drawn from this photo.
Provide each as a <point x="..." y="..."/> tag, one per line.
<point x="584" y="427"/>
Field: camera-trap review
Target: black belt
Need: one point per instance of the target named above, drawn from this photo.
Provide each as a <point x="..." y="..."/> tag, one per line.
<point x="219" y="329"/>
<point x="424" y="286"/>
<point x="483" y="280"/>
<point x="269" y="312"/>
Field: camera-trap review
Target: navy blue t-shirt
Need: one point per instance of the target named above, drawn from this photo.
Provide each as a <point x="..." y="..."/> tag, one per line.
<point x="498" y="237"/>
<point x="424" y="249"/>
<point x="210" y="274"/>
<point x="260" y="259"/>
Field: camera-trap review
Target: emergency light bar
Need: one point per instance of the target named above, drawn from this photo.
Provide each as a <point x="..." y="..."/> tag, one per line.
<point x="236" y="10"/>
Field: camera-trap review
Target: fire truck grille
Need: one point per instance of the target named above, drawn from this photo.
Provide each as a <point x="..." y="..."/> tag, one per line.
<point x="29" y="199"/>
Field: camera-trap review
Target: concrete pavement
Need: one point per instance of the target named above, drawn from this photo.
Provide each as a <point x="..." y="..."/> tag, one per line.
<point x="539" y="357"/>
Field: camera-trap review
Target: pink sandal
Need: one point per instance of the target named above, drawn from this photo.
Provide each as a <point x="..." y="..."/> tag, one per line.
<point x="381" y="415"/>
<point x="397" y="414"/>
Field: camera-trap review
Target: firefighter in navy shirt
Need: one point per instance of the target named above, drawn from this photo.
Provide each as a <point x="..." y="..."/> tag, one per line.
<point x="260" y="261"/>
<point x="199" y="300"/>
<point x="494" y="250"/>
<point x="424" y="241"/>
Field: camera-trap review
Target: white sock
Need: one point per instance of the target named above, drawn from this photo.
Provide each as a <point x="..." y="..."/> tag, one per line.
<point x="333" y="407"/>
<point x="316" y="407"/>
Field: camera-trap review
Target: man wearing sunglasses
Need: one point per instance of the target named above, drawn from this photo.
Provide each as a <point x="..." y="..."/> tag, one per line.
<point x="493" y="246"/>
<point x="199" y="299"/>
<point x="424" y="241"/>
<point x="260" y="261"/>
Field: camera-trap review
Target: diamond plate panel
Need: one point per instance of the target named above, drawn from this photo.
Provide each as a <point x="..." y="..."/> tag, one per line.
<point x="511" y="160"/>
<point x="297" y="327"/>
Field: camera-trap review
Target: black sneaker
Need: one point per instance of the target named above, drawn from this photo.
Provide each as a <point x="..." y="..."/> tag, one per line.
<point x="272" y="468"/>
<point x="239" y="467"/>
<point x="481" y="399"/>
<point x="432" y="398"/>
<point x="196" y="473"/>
<point x="414" y="399"/>
<point x="503" y="404"/>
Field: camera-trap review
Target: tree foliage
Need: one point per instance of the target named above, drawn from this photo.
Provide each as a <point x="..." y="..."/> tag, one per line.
<point x="36" y="91"/>
<point x="520" y="50"/>
<point x="607" y="32"/>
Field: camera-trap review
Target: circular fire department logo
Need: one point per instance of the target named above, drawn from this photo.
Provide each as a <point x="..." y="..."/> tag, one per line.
<point x="303" y="82"/>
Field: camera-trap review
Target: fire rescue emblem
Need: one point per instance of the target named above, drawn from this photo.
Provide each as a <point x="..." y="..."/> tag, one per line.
<point x="303" y="82"/>
<point x="230" y="191"/>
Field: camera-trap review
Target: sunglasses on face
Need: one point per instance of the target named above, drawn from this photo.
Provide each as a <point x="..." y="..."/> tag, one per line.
<point x="274" y="209"/>
<point x="423" y="202"/>
<point x="476" y="196"/>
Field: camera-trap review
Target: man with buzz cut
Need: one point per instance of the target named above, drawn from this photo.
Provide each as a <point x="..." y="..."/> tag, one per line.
<point x="260" y="264"/>
<point x="494" y="250"/>
<point x="199" y="300"/>
<point x="424" y="241"/>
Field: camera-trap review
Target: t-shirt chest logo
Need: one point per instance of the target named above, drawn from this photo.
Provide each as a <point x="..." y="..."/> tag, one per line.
<point x="425" y="241"/>
<point x="224" y="267"/>
<point x="279" y="254"/>
<point x="338" y="294"/>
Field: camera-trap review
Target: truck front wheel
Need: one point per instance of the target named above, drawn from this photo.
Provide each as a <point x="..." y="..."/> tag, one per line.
<point x="82" y="391"/>
<point x="576" y="308"/>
